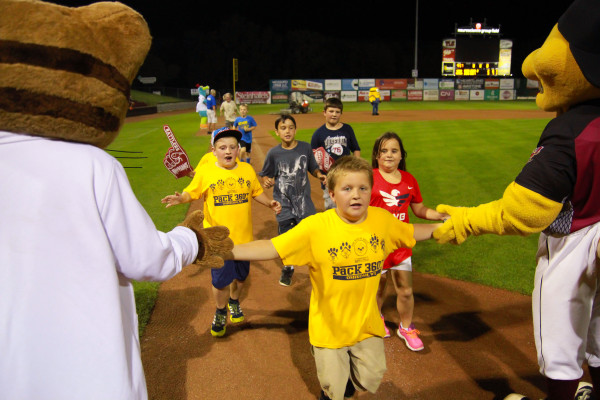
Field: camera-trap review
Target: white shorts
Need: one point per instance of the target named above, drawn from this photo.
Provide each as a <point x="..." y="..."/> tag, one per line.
<point x="566" y="315"/>
<point x="212" y="116"/>
<point x="405" y="265"/>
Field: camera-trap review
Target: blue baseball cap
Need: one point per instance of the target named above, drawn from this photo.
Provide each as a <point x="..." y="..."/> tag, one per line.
<point x="225" y="132"/>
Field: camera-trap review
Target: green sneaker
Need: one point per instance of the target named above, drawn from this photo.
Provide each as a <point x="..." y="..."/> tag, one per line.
<point x="217" y="328"/>
<point x="235" y="311"/>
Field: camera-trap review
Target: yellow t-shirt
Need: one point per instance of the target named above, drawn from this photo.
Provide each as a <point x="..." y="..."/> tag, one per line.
<point x="345" y="263"/>
<point x="227" y="194"/>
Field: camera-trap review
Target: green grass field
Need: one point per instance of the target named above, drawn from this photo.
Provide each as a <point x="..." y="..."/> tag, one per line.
<point x="460" y="162"/>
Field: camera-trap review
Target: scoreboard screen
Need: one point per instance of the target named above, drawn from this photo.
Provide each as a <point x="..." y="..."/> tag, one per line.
<point x="476" y="51"/>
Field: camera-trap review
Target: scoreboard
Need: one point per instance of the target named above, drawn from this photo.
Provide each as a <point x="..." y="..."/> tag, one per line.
<point x="476" y="50"/>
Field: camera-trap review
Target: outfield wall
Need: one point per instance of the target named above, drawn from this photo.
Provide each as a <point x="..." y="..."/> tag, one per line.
<point x="401" y="89"/>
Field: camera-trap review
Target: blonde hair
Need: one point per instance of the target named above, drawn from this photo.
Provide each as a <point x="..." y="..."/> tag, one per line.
<point x="346" y="164"/>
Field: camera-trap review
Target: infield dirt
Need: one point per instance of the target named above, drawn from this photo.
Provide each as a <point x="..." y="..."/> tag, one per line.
<point x="478" y="340"/>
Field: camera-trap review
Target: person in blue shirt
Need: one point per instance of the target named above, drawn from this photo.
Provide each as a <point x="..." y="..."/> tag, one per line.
<point x="245" y="124"/>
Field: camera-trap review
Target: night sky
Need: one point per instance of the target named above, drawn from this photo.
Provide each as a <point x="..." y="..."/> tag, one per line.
<point x="195" y="42"/>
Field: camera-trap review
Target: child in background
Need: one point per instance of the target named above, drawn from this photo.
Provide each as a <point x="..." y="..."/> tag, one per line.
<point x="245" y="124"/>
<point x="333" y="140"/>
<point x="229" y="110"/>
<point x="344" y="248"/>
<point x="286" y="169"/>
<point x="394" y="189"/>
<point x="226" y="187"/>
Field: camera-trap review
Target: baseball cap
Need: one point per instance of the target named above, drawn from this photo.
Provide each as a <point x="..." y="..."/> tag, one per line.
<point x="580" y="25"/>
<point x="225" y="132"/>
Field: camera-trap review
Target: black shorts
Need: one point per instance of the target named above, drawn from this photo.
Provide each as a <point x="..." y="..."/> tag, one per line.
<point x="247" y="145"/>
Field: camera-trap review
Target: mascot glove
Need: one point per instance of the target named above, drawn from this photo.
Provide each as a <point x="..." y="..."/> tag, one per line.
<point x="451" y="232"/>
<point x="214" y="244"/>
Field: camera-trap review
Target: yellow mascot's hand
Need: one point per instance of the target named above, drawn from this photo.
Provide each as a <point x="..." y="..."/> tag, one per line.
<point x="520" y="211"/>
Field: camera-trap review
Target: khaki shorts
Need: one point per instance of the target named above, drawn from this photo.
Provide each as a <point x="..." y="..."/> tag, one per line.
<point x="363" y="363"/>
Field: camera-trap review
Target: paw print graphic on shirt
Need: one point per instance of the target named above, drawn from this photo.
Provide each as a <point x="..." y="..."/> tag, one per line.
<point x="374" y="242"/>
<point x="241" y="182"/>
<point x="221" y="184"/>
<point x="345" y="249"/>
<point x="383" y="245"/>
<point x="333" y="253"/>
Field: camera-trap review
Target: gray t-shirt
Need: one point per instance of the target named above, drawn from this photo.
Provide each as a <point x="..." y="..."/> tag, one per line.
<point x="290" y="169"/>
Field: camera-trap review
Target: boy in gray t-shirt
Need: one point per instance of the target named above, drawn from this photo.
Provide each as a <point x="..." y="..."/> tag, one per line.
<point x="286" y="168"/>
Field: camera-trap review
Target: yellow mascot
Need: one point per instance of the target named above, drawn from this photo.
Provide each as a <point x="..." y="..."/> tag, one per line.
<point x="375" y="99"/>
<point x="557" y="193"/>
<point x="73" y="235"/>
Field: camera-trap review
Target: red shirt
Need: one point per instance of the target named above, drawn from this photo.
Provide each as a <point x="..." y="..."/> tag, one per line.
<point x="396" y="198"/>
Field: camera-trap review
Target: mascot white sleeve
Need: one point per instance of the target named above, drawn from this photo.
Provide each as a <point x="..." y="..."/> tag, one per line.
<point x="557" y="193"/>
<point x="73" y="234"/>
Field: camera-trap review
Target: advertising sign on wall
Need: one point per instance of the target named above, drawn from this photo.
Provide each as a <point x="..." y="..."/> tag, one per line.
<point x="507" y="83"/>
<point x="398" y="95"/>
<point x="279" y="97"/>
<point x="476" y="94"/>
<point x="470" y="83"/>
<point x="253" y="97"/>
<point x="391" y="83"/>
<point x="349" y="95"/>
<point x="303" y="84"/>
<point x="493" y="94"/>
<point x="328" y="94"/>
<point x="507" y="94"/>
<point x="280" y="85"/>
<point x="430" y="83"/>
<point x="415" y="84"/>
<point x="414" y="95"/>
<point x="366" y="83"/>
<point x="461" y="94"/>
<point x="349" y="84"/>
<point x="446" y="84"/>
<point x="446" y="94"/>
<point x="333" y="84"/>
<point x="492" y="83"/>
<point x="431" y="94"/>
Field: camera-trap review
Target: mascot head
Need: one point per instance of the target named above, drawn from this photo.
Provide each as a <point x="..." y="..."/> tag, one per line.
<point x="568" y="63"/>
<point x="65" y="72"/>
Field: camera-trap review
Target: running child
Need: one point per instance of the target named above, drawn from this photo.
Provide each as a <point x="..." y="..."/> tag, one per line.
<point x="333" y="140"/>
<point x="394" y="189"/>
<point x="226" y="187"/>
<point x="344" y="249"/>
<point x="245" y="124"/>
<point x="286" y="169"/>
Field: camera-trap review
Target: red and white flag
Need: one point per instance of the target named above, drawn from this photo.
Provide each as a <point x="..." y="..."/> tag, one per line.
<point x="176" y="159"/>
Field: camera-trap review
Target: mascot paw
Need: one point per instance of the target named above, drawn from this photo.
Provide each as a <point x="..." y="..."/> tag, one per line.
<point x="452" y="231"/>
<point x="214" y="243"/>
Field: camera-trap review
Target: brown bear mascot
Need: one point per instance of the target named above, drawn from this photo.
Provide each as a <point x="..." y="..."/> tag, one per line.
<point x="557" y="193"/>
<point x="72" y="233"/>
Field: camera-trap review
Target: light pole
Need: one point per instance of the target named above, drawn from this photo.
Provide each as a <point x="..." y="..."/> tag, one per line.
<point x="415" y="71"/>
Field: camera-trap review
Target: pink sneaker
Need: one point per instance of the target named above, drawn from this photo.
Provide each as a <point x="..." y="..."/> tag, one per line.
<point x="387" y="331"/>
<point x="411" y="337"/>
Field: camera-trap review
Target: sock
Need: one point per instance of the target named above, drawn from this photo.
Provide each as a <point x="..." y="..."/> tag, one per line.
<point x="561" y="389"/>
<point x="595" y="374"/>
<point x="232" y="301"/>
<point x="247" y="160"/>
<point x="222" y="310"/>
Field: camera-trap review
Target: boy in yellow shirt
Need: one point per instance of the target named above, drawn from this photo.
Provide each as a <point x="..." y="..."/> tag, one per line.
<point x="227" y="186"/>
<point x="344" y="248"/>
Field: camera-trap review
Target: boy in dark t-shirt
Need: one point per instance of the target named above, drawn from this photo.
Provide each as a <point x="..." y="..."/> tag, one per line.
<point x="333" y="140"/>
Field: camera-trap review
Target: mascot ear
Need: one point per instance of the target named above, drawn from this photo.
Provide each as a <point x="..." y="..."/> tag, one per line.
<point x="66" y="72"/>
